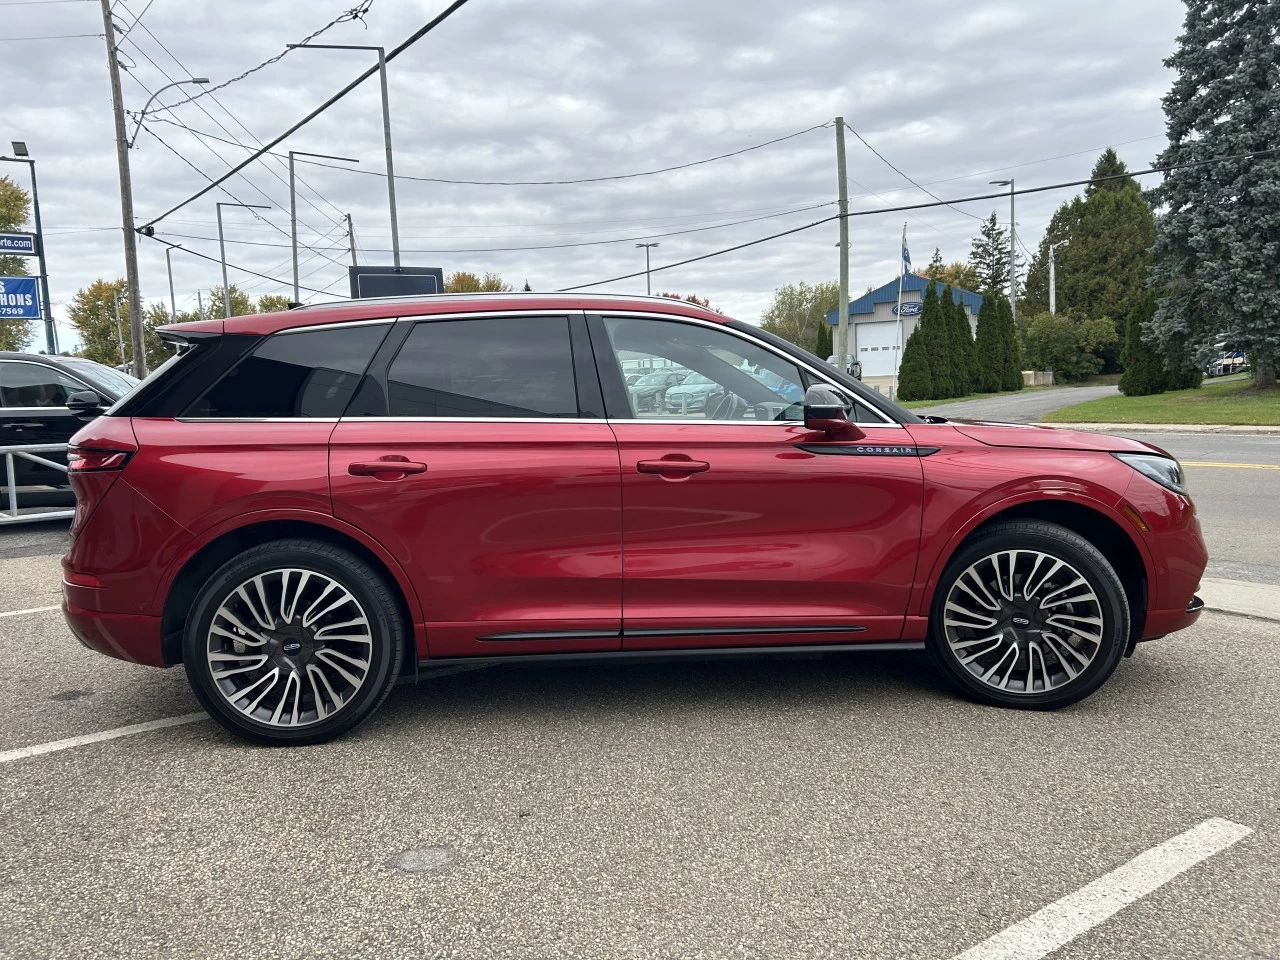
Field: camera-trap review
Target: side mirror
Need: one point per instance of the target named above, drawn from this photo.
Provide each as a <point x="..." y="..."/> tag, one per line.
<point x="86" y="403"/>
<point x="824" y="410"/>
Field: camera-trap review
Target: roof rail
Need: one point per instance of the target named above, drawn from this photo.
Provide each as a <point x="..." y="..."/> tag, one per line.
<point x="472" y="296"/>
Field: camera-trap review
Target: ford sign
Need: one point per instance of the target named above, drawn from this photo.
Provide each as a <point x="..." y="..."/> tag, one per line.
<point x="908" y="309"/>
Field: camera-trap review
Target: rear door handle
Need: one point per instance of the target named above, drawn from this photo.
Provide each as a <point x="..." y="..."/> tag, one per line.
<point x="386" y="468"/>
<point x="674" y="464"/>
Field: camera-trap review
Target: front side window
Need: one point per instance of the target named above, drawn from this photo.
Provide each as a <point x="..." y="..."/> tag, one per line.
<point x="486" y="368"/>
<point x="115" y="381"/>
<point x="308" y="373"/>
<point x="35" y="385"/>
<point x="729" y="378"/>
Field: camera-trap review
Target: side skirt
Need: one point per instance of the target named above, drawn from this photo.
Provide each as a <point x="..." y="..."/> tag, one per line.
<point x="706" y="653"/>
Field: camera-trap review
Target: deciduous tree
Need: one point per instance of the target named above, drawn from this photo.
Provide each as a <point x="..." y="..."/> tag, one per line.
<point x="463" y="281"/>
<point x="272" y="303"/>
<point x="799" y="311"/>
<point x="1068" y="344"/>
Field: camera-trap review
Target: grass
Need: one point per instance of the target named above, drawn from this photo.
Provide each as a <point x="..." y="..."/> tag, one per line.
<point x="1234" y="402"/>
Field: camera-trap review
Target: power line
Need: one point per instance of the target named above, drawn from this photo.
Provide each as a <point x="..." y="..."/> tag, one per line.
<point x="923" y="206"/>
<point x="904" y="176"/>
<point x="55" y="36"/>
<point x="35" y="3"/>
<point x="136" y="18"/>
<point x="234" y="266"/>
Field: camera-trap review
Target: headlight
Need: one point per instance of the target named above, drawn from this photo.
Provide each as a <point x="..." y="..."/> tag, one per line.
<point x="1163" y="470"/>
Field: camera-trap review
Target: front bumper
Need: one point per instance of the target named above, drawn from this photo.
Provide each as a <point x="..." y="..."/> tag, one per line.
<point x="1163" y="622"/>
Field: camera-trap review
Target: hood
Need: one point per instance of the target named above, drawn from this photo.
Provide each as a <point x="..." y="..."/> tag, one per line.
<point x="995" y="434"/>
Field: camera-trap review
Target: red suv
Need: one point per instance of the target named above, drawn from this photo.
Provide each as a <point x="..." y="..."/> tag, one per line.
<point x="302" y="506"/>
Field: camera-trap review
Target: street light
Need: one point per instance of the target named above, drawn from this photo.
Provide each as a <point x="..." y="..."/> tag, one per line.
<point x="293" y="211"/>
<point x="647" y="247"/>
<point x="1053" y="275"/>
<point x="386" y="129"/>
<point x="222" y="251"/>
<point x="1013" y="239"/>
<point x="22" y="155"/>
<point x="143" y="112"/>
<point x="168" y="262"/>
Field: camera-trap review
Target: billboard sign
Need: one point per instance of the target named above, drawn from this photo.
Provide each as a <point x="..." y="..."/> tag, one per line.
<point x="19" y="299"/>
<point x="395" y="281"/>
<point x="911" y="309"/>
<point x="19" y="244"/>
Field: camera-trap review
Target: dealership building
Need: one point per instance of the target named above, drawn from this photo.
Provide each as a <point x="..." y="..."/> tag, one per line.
<point x="873" y="324"/>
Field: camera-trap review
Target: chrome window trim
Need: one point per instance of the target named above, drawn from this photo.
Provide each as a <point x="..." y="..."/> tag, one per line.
<point x="45" y="366"/>
<point x="887" y="423"/>
<point x="256" y="419"/>
<point x="312" y="327"/>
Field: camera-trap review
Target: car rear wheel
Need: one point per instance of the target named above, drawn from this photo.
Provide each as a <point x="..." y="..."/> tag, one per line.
<point x="1028" y="614"/>
<point x="293" y="642"/>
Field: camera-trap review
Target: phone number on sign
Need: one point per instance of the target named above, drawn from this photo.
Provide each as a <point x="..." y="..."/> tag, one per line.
<point x="15" y="312"/>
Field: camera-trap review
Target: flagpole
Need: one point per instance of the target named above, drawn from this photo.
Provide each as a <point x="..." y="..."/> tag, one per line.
<point x="897" y="356"/>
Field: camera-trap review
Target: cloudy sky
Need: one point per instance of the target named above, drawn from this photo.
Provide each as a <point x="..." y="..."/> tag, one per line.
<point x="954" y="92"/>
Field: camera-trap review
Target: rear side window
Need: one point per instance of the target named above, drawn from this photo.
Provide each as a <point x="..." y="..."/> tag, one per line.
<point x="485" y="368"/>
<point x="311" y="373"/>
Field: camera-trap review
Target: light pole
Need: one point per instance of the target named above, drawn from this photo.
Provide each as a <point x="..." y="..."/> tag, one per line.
<point x="222" y="251"/>
<point x="22" y="155"/>
<point x="386" y="129"/>
<point x="1053" y="275"/>
<point x="1013" y="239"/>
<point x="647" y="247"/>
<point x="137" y="128"/>
<point x="168" y="262"/>
<point x="293" y="211"/>
<point x="115" y="303"/>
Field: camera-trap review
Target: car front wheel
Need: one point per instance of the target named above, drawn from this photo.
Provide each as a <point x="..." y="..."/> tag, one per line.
<point x="1028" y="614"/>
<point x="293" y="642"/>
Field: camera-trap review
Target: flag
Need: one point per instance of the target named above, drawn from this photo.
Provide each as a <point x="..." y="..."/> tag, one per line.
<point x="906" y="254"/>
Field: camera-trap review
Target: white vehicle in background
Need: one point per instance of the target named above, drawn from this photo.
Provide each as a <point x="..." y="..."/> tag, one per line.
<point x="852" y="367"/>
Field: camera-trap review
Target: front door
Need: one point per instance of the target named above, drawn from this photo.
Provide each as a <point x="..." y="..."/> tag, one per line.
<point x="494" y="482"/>
<point x="741" y="527"/>
<point x="33" y="410"/>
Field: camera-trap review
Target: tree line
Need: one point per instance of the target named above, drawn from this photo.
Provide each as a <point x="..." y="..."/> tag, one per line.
<point x="943" y="358"/>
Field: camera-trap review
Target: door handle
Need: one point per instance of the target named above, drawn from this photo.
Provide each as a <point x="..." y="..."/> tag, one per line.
<point x="673" y="464"/>
<point x="386" y="468"/>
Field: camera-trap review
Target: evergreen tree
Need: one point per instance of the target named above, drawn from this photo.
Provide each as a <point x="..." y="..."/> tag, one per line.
<point x="934" y="331"/>
<point x="936" y="266"/>
<point x="989" y="256"/>
<point x="1217" y="252"/>
<point x="1035" y="291"/>
<point x="988" y="347"/>
<point x="823" y="346"/>
<point x="1144" y="371"/>
<point x="914" y="381"/>
<point x="964" y="354"/>
<point x="1010" y="354"/>
<point x="1109" y="165"/>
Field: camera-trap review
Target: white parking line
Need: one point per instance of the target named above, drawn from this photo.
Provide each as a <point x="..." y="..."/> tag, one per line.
<point x="18" y="613"/>
<point x="1063" y="920"/>
<point x="53" y="746"/>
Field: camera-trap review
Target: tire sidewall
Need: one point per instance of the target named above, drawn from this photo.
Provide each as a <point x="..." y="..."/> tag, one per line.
<point x="348" y="570"/>
<point x="1064" y="545"/>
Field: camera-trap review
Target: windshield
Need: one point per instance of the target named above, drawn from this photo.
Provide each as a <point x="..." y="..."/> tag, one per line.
<point x="652" y="379"/>
<point x="694" y="378"/>
<point x="117" y="382"/>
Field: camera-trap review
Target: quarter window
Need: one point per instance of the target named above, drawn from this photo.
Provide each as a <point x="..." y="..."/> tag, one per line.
<point x="35" y="385"/>
<point x="725" y="377"/>
<point x="491" y="367"/>
<point x="312" y="373"/>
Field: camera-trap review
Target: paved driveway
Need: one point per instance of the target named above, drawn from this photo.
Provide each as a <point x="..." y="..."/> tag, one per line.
<point x="1020" y="407"/>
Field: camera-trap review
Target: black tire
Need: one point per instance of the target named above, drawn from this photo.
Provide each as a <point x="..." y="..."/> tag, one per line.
<point x="381" y="620"/>
<point x="1030" y="537"/>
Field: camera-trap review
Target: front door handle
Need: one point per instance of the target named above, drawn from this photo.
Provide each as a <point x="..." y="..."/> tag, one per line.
<point x="675" y="464"/>
<point x="386" y="468"/>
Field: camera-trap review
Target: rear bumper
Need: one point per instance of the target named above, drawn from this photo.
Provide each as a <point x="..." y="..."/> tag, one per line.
<point x="126" y="636"/>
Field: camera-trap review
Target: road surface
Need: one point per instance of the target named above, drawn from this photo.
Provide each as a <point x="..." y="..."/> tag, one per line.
<point x="1019" y="407"/>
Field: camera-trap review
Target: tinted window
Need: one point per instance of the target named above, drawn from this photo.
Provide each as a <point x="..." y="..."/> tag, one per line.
<point x="732" y="378"/>
<point x="115" y="381"/>
<point x="491" y="367"/>
<point x="35" y="385"/>
<point x="307" y="374"/>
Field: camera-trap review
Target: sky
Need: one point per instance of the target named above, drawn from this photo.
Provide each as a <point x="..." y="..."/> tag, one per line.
<point x="954" y="93"/>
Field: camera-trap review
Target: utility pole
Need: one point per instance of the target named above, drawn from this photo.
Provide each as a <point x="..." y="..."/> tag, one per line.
<point x="200" y="303"/>
<point x="1013" y="246"/>
<point x="173" y="301"/>
<point x="648" y="291"/>
<point x="293" y="210"/>
<point x="842" y="329"/>
<point x="1053" y="275"/>
<point x="351" y="239"/>
<point x="222" y="249"/>
<point x="115" y="302"/>
<point x="126" y="199"/>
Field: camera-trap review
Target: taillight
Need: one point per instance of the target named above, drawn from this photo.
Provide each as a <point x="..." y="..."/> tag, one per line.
<point x="93" y="460"/>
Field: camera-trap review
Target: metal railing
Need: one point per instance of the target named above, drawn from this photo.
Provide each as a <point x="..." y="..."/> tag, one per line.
<point x="29" y="452"/>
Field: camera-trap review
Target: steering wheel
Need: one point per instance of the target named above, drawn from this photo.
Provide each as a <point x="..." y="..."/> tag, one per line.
<point x="730" y="406"/>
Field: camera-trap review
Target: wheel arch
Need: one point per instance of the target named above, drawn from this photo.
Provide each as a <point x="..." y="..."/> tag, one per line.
<point x="1094" y="522"/>
<point x="221" y="544"/>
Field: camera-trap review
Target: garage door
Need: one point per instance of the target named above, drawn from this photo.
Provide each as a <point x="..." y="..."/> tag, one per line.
<point x="877" y="347"/>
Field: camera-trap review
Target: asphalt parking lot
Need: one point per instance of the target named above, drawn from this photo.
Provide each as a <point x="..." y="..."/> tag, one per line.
<point x="810" y="807"/>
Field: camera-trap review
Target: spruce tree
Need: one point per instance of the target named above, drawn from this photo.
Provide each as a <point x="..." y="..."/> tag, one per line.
<point x="1035" y="289"/>
<point x="914" y="381"/>
<point x="1010" y="354"/>
<point x="1144" y="371"/>
<point x="1217" y="252"/>
<point x="934" y="330"/>
<point x="989" y="256"/>
<point x="987" y="345"/>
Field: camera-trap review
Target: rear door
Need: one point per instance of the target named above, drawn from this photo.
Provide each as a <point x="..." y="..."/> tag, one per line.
<point x="33" y="410"/>
<point x="479" y="455"/>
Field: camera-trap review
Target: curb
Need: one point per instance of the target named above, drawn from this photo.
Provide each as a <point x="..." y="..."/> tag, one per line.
<point x="1261" y="600"/>
<point x="1123" y="428"/>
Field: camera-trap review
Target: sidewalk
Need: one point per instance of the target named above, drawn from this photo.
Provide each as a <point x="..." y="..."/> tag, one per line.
<point x="1127" y="428"/>
<point x="1240" y="596"/>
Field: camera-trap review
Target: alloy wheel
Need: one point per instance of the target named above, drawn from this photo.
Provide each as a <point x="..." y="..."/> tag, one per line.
<point x="289" y="647"/>
<point x="1023" y="621"/>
